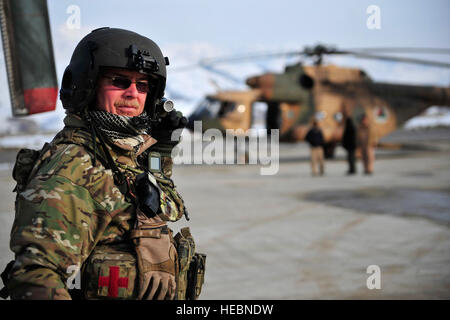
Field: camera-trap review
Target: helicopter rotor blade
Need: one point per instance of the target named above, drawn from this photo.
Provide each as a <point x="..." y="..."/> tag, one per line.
<point x="222" y="73"/>
<point x="402" y="50"/>
<point x="397" y="59"/>
<point x="210" y="61"/>
<point x="321" y="50"/>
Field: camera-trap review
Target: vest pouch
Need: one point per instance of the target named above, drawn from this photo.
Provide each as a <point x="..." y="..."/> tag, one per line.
<point x="110" y="272"/>
<point x="185" y="248"/>
<point x="196" y="276"/>
<point x="26" y="161"/>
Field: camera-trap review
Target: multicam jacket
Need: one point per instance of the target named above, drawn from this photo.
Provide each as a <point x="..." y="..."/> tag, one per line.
<point x="68" y="207"/>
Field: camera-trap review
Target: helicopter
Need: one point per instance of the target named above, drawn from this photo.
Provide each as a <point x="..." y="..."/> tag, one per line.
<point x="326" y="93"/>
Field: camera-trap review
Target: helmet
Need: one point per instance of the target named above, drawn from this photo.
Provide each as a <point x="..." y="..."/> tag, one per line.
<point x="111" y="47"/>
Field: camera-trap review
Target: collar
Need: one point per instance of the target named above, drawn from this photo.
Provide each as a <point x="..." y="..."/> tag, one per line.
<point x="135" y="145"/>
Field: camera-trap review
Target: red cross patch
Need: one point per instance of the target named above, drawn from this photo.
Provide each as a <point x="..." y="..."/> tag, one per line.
<point x="113" y="282"/>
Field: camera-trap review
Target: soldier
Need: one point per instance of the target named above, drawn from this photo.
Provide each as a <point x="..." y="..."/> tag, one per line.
<point x="315" y="139"/>
<point x="99" y="196"/>
<point x="367" y="141"/>
<point x="349" y="144"/>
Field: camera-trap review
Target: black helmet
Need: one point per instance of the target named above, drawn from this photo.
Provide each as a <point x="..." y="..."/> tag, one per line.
<point x="110" y="47"/>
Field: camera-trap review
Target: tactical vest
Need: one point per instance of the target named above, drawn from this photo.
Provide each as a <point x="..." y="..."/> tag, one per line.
<point x="110" y="272"/>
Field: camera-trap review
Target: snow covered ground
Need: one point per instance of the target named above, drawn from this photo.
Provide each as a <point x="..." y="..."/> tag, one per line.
<point x="432" y="117"/>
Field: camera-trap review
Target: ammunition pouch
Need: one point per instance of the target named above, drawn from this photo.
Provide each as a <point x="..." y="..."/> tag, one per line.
<point x="185" y="249"/>
<point x="191" y="274"/>
<point x="196" y="276"/>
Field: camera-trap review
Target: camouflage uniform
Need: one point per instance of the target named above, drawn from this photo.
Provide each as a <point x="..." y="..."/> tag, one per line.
<point x="69" y="206"/>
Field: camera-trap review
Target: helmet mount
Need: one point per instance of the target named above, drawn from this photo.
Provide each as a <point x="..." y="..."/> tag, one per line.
<point x="141" y="60"/>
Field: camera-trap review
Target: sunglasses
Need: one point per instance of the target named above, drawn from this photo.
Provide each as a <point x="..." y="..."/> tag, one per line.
<point x="125" y="83"/>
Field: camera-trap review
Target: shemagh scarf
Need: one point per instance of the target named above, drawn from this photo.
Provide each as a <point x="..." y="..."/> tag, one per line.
<point x="117" y="127"/>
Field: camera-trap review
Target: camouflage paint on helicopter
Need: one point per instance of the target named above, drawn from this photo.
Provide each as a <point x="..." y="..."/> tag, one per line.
<point x="324" y="92"/>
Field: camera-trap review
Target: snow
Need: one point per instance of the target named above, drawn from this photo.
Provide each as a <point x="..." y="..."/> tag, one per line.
<point x="26" y="141"/>
<point x="435" y="116"/>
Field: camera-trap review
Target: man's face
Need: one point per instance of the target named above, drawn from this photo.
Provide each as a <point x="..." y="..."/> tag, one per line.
<point x="113" y="98"/>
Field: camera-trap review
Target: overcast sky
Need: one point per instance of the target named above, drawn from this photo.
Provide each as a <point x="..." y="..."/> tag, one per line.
<point x="236" y="23"/>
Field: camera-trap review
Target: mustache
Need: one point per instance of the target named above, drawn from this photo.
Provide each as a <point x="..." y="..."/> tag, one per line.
<point x="126" y="103"/>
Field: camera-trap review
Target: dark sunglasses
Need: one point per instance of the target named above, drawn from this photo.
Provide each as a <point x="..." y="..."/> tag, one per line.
<point x="125" y="83"/>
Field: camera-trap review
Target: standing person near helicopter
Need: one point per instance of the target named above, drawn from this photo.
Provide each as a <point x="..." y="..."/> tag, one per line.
<point x="349" y="143"/>
<point x="367" y="141"/>
<point x="315" y="139"/>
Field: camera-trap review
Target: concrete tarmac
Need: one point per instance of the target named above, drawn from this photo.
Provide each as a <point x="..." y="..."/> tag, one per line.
<point x="294" y="236"/>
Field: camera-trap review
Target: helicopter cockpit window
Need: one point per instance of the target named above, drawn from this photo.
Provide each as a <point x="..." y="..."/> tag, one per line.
<point x="320" y="115"/>
<point x="208" y="108"/>
<point x="226" y="107"/>
<point x="338" y="116"/>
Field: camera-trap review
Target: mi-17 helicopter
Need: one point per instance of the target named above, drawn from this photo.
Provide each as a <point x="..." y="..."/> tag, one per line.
<point x="325" y="92"/>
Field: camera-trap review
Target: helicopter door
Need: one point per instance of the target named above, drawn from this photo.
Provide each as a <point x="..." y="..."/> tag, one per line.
<point x="273" y="118"/>
<point x="266" y="116"/>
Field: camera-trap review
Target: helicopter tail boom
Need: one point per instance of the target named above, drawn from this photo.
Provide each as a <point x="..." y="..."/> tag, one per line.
<point x="427" y="94"/>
